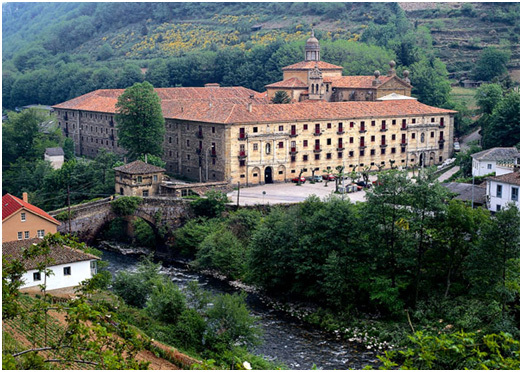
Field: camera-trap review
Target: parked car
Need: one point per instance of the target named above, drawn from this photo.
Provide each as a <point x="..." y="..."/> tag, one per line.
<point x="363" y="184"/>
<point x="329" y="177"/>
<point x="456" y="147"/>
<point x="301" y="179"/>
<point x="315" y="178"/>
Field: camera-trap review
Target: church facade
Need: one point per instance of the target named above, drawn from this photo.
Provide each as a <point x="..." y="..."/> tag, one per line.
<point x="235" y="134"/>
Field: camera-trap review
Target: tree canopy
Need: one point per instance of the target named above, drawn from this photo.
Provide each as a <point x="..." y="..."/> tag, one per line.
<point x="140" y="122"/>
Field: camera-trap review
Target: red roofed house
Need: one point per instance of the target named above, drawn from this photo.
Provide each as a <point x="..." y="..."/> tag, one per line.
<point x="235" y="134"/>
<point x="21" y="220"/>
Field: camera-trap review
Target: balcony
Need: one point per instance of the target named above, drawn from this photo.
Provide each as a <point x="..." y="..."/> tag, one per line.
<point x="213" y="153"/>
<point x="293" y="151"/>
<point x="404" y="127"/>
<point x="340" y="132"/>
<point x="242" y="154"/>
<point x="317" y="149"/>
<point x="242" y="136"/>
<point x="362" y="130"/>
<point x="293" y="133"/>
<point x="442" y="140"/>
<point x="403" y="144"/>
<point x="383" y="145"/>
<point x="316" y="133"/>
<point x="340" y="148"/>
<point x="384" y="129"/>
<point x="199" y="134"/>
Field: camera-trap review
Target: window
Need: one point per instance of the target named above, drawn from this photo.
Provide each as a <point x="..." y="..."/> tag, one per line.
<point x="514" y="193"/>
<point x="268" y="148"/>
<point x="292" y="158"/>
<point x="351" y="139"/>
<point x="255" y="147"/>
<point x="432" y="134"/>
<point x="433" y="120"/>
<point x="403" y="150"/>
<point x="213" y="129"/>
<point x="254" y="129"/>
<point x="305" y="157"/>
<point x="20" y="236"/>
<point x="498" y="207"/>
<point x="393" y="137"/>
<point x="281" y="128"/>
<point x="329" y="125"/>
<point x="383" y="151"/>
<point x="328" y="156"/>
<point x="372" y="152"/>
<point x="317" y="156"/>
<point x="328" y="141"/>
<point x="280" y="145"/>
<point x="373" y="123"/>
<point x="139" y="179"/>
<point x="40" y="233"/>
<point x="422" y="137"/>
<point x="352" y="124"/>
<point x="170" y="139"/>
<point x="188" y="143"/>
<point x="361" y="153"/>
<point x="350" y="154"/>
<point x="499" y="191"/>
<point x="37" y="277"/>
<point x="67" y="271"/>
<point x="242" y="163"/>
<point x="339" y="155"/>
<point x="490" y="166"/>
<point x="94" y="268"/>
<point x="305" y="143"/>
<point x="22" y="216"/>
<point x="305" y="126"/>
<point x="155" y="178"/>
<point x="394" y="122"/>
<point x="26" y="235"/>
<point x="188" y="157"/>
<point x="372" y="138"/>
<point x="413" y="121"/>
<point x="413" y="136"/>
<point x="393" y="150"/>
<point x="145" y="192"/>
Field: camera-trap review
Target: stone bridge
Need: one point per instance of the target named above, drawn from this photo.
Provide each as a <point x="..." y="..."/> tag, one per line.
<point x="88" y="219"/>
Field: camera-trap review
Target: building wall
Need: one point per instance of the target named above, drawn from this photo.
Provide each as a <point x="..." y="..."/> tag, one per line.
<point x="12" y="225"/>
<point x="294" y="94"/>
<point x="128" y="185"/>
<point x="481" y="168"/>
<point x="268" y="148"/>
<point x="79" y="271"/>
<point x="502" y="199"/>
<point x="56" y="161"/>
<point x="188" y="153"/>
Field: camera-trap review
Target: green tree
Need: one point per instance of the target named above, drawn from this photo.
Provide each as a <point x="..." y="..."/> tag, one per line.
<point x="281" y="97"/>
<point x="488" y="96"/>
<point x="140" y="122"/>
<point x="491" y="64"/>
<point x="105" y="52"/>
<point x="212" y="205"/>
<point x="166" y="302"/>
<point x="429" y="78"/>
<point x="502" y="128"/>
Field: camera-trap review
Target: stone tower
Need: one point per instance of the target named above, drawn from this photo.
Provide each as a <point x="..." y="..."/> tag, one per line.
<point x="312" y="50"/>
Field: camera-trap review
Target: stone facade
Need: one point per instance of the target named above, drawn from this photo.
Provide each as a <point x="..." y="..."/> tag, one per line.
<point x="138" y="179"/>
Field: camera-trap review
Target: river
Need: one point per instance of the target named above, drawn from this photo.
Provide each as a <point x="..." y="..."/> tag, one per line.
<point x="285" y="339"/>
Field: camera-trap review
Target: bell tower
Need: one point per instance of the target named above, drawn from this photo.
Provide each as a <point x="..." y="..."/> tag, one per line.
<point x="312" y="49"/>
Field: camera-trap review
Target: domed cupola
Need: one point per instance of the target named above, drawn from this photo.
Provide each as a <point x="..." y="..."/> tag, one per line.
<point x="312" y="49"/>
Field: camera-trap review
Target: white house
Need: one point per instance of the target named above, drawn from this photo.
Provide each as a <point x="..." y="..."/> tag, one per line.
<point x="485" y="162"/>
<point x="70" y="266"/>
<point x="502" y="190"/>
<point x="55" y="155"/>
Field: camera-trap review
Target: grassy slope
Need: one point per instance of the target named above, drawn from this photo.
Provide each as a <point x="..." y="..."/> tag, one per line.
<point x="458" y="37"/>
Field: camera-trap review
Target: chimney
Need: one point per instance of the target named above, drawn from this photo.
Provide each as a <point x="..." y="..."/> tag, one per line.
<point x="24" y="197"/>
<point x="146" y="158"/>
<point x="249" y="106"/>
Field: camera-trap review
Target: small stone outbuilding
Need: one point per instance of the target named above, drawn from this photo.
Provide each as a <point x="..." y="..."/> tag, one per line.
<point x="138" y="179"/>
<point x="55" y="155"/>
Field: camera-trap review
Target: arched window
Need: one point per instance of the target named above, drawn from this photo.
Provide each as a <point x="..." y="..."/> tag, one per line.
<point x="267" y="148"/>
<point x="422" y="137"/>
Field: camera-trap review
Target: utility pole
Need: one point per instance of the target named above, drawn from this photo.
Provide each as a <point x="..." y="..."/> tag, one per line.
<point x="238" y="188"/>
<point x="69" y="205"/>
<point x="472" y="191"/>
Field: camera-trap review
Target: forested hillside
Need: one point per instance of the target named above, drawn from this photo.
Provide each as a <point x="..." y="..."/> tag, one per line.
<point x="56" y="51"/>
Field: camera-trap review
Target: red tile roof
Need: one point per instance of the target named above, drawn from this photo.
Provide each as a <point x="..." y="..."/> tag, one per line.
<point x="308" y="65"/>
<point x="363" y="82"/>
<point x="288" y="83"/>
<point x="511" y="178"/>
<point x="104" y="100"/>
<point x="139" y="167"/>
<point x="11" y="204"/>
<point x="59" y="254"/>
<point x="228" y="110"/>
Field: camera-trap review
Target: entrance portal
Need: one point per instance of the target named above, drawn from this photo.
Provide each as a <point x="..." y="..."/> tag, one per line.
<point x="421" y="160"/>
<point x="268" y="175"/>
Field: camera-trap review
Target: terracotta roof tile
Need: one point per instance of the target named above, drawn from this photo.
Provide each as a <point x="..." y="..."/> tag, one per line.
<point x="104" y="100"/>
<point x="497" y="154"/>
<point x="511" y="178"/>
<point x="139" y="167"/>
<point x="363" y="82"/>
<point x="12" y="204"/>
<point x="288" y="83"/>
<point x="59" y="254"/>
<point x="308" y="65"/>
